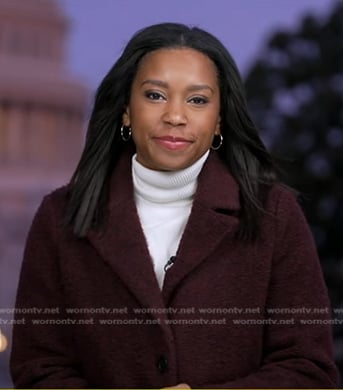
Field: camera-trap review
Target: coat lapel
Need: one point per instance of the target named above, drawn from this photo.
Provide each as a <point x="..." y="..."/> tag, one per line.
<point x="212" y="218"/>
<point x="121" y="241"/>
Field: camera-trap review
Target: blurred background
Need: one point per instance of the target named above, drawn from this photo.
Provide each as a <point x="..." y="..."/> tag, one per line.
<point x="54" y="53"/>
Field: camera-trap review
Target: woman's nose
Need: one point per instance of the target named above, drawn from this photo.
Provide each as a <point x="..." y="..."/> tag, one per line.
<point x="175" y="114"/>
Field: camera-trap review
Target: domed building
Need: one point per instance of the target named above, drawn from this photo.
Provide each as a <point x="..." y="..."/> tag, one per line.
<point x="41" y="105"/>
<point x="42" y="116"/>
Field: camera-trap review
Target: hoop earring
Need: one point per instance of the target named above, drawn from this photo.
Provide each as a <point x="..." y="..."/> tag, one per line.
<point x="216" y="147"/>
<point x="125" y="137"/>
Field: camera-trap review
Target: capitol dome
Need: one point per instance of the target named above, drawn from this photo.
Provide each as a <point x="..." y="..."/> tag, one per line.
<point x="42" y="106"/>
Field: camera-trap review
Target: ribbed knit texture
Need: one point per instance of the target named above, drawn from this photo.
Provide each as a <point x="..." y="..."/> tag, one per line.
<point x="164" y="201"/>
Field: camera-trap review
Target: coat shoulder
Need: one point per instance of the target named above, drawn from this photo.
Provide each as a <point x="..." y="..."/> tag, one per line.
<point x="283" y="211"/>
<point x="58" y="195"/>
<point x="281" y="199"/>
<point x="52" y="207"/>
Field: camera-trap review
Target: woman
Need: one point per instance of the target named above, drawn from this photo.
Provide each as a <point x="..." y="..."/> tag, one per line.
<point x="173" y="257"/>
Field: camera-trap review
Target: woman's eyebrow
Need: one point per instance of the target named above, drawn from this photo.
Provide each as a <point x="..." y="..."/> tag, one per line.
<point x="199" y="87"/>
<point x="158" y="83"/>
<point x="163" y="84"/>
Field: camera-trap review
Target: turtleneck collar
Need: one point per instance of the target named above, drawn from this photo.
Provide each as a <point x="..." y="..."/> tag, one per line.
<point x="165" y="187"/>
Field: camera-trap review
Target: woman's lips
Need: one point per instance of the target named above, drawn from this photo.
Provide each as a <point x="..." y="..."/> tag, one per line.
<point x="173" y="143"/>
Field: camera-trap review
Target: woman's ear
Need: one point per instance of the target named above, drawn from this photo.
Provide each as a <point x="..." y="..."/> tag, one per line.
<point x="126" y="117"/>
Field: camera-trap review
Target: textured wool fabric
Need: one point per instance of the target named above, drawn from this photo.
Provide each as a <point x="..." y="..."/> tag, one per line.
<point x="108" y="324"/>
<point x="164" y="201"/>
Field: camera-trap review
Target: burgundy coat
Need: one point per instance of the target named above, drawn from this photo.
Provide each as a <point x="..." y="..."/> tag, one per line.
<point x="211" y="326"/>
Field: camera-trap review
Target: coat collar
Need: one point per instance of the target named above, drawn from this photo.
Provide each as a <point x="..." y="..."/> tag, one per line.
<point x="122" y="244"/>
<point x="213" y="216"/>
<point x="217" y="189"/>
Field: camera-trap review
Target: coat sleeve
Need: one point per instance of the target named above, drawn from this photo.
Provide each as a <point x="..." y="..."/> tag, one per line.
<point x="42" y="353"/>
<point x="297" y="354"/>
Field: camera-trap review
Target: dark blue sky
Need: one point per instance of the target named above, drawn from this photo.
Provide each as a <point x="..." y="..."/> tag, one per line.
<point x="101" y="28"/>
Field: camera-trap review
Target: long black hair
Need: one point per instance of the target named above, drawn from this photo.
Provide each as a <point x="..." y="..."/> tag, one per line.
<point x="242" y="149"/>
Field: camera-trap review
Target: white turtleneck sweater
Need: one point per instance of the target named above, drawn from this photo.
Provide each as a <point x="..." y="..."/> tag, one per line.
<point x="164" y="201"/>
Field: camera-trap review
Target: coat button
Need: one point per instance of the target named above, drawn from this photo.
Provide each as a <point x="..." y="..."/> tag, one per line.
<point x="162" y="364"/>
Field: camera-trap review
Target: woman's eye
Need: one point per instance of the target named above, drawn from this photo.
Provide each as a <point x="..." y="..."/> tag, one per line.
<point x="154" y="96"/>
<point x="198" y="100"/>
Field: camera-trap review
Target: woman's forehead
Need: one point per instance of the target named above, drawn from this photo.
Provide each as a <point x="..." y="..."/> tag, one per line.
<point x="177" y="63"/>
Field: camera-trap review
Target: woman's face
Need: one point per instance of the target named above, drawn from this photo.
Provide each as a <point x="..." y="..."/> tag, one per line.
<point x="174" y="108"/>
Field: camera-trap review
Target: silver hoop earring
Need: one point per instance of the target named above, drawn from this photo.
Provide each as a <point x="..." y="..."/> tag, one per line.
<point x="125" y="137"/>
<point x="219" y="144"/>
